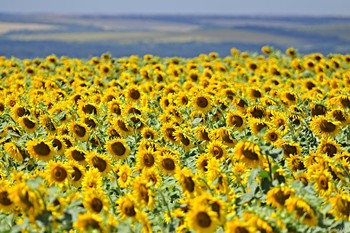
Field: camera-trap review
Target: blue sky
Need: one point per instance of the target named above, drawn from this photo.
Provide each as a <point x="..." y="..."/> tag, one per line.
<point x="226" y="7"/>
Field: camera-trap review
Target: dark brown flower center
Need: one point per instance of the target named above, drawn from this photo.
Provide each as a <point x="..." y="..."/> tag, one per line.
<point x="144" y="192"/>
<point x="78" y="155"/>
<point x="327" y="126"/>
<point x="96" y="205"/>
<point x="28" y="123"/>
<point x="4" y="200"/>
<point x="122" y="125"/>
<point x="59" y="174"/>
<point x="77" y="174"/>
<point x="118" y="148"/>
<point x="134" y="94"/>
<point x="202" y="102"/>
<point x="258" y="112"/>
<point x="250" y="154"/>
<point x="323" y="181"/>
<point x="339" y="115"/>
<point x="281" y="197"/>
<point x="237" y="121"/>
<point x="42" y="149"/>
<point x="90" y="122"/>
<point x="343" y="206"/>
<point x="79" y="130"/>
<point x="273" y="136"/>
<point x="184" y="140"/>
<point x="57" y="144"/>
<point x="99" y="163"/>
<point x="330" y="149"/>
<point x="203" y="219"/>
<point x="169" y="133"/>
<point x="318" y="110"/>
<point x="129" y="210"/>
<point x="148" y="159"/>
<point x="289" y="150"/>
<point x="218" y="152"/>
<point x="189" y="184"/>
<point x="89" y="109"/>
<point x="168" y="164"/>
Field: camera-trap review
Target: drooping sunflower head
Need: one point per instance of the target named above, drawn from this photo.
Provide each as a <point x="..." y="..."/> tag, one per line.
<point x="77" y="173"/>
<point x="277" y="196"/>
<point x="249" y="153"/>
<point x="302" y="210"/>
<point x="40" y="149"/>
<point x="76" y="154"/>
<point x="143" y="192"/>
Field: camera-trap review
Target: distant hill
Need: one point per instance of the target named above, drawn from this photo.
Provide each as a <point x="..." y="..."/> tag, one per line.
<point x="83" y="36"/>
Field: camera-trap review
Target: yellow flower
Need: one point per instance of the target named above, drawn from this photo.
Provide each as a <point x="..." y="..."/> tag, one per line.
<point x="302" y="210"/>
<point x="126" y="207"/>
<point x="277" y="196"/>
<point x="323" y="127"/>
<point x="12" y="149"/>
<point x="124" y="173"/>
<point x="118" y="148"/>
<point x="237" y="226"/>
<point x="80" y="130"/>
<point x="143" y="193"/>
<point x="248" y="153"/>
<point x="40" y="149"/>
<point x="202" y="102"/>
<point x="100" y="161"/>
<point x="88" y="222"/>
<point x="95" y="200"/>
<point x="6" y="204"/>
<point x="58" y="173"/>
<point x="201" y="218"/>
<point x="341" y="206"/>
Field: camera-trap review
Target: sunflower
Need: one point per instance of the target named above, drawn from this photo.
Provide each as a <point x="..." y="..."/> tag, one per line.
<point x="48" y="124"/>
<point x="28" y="123"/>
<point x="169" y="162"/>
<point x="203" y="133"/>
<point x="236" y="225"/>
<point x="339" y="115"/>
<point x="133" y="93"/>
<point x="126" y="207"/>
<point x="146" y="158"/>
<point x="323" y="182"/>
<point x="143" y="193"/>
<point x="273" y="136"/>
<point x="152" y="176"/>
<point x="323" y="127"/>
<point x="40" y="149"/>
<point x="85" y="108"/>
<point x="302" y="210"/>
<point x="14" y="151"/>
<point x="168" y="130"/>
<point x="277" y="196"/>
<point x="118" y="148"/>
<point x="58" y="144"/>
<point x="58" y="173"/>
<point x="317" y="110"/>
<point x="95" y="200"/>
<point x="80" y="130"/>
<point x="257" y="125"/>
<point x="78" y="172"/>
<point x="6" y="204"/>
<point x="202" y="102"/>
<point x="183" y="138"/>
<point x="187" y="181"/>
<point x="248" y="153"/>
<point x="201" y="218"/>
<point x="76" y="154"/>
<point x="124" y="176"/>
<point x="329" y="147"/>
<point x="236" y="120"/>
<point x="292" y="52"/>
<point x="260" y="224"/>
<point x="87" y="222"/>
<point x="18" y="111"/>
<point x="28" y="200"/>
<point x="202" y="162"/>
<point x="115" y="107"/>
<point x="290" y="148"/>
<point x="149" y="133"/>
<point x="100" y="161"/>
<point x="121" y="126"/>
<point x="92" y="179"/>
<point x="341" y="206"/>
<point x="215" y="149"/>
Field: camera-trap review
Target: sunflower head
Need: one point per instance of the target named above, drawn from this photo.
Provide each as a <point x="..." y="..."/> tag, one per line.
<point x="118" y="148"/>
<point x="248" y="153"/>
<point x="40" y="149"/>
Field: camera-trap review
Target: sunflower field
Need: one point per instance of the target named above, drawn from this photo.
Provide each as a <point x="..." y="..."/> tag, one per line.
<point x="251" y="142"/>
